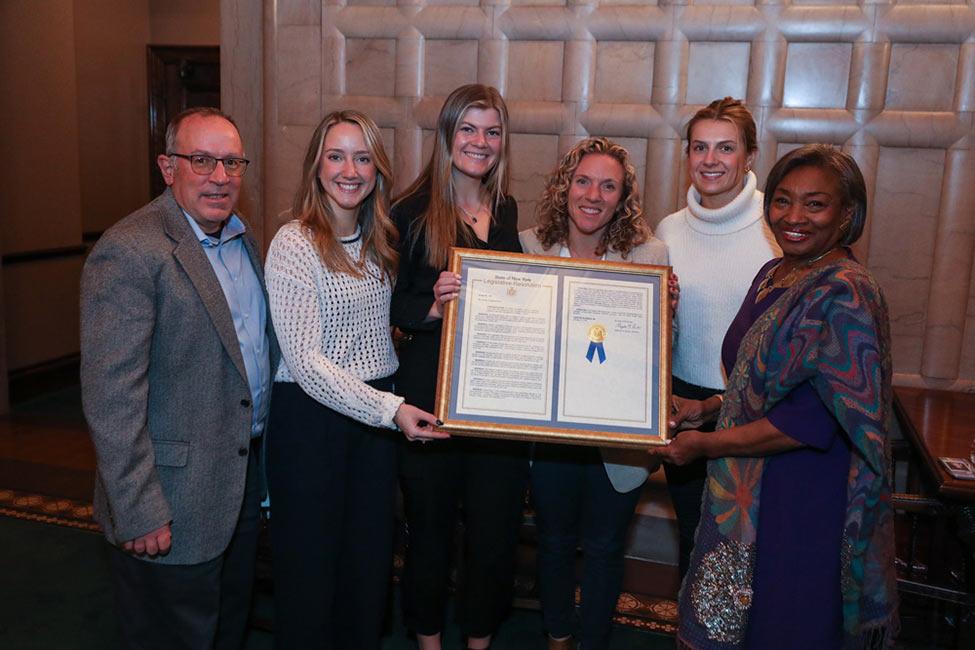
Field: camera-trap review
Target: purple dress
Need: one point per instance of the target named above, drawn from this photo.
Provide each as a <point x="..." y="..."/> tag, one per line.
<point x="796" y="601"/>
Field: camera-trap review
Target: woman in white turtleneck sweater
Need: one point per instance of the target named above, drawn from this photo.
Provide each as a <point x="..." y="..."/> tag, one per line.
<point x="717" y="244"/>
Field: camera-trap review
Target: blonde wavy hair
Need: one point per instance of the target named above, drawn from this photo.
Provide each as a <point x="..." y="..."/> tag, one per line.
<point x="312" y="209"/>
<point x="441" y="221"/>
<point x="627" y="228"/>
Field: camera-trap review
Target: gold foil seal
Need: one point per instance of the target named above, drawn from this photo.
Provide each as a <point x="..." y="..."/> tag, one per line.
<point x="597" y="333"/>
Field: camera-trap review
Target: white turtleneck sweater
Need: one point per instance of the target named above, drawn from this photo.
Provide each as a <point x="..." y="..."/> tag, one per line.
<point x="716" y="253"/>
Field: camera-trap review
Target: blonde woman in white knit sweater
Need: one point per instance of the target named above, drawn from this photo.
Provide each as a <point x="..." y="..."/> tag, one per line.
<point x="717" y="244"/>
<point x="331" y="460"/>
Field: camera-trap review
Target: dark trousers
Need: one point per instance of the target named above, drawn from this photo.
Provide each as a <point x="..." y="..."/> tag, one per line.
<point x="488" y="478"/>
<point x="575" y="504"/>
<point x="332" y="484"/>
<point x="686" y="483"/>
<point x="197" y="606"/>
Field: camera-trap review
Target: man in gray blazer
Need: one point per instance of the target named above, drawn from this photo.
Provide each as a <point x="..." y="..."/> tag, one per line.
<point x="177" y="356"/>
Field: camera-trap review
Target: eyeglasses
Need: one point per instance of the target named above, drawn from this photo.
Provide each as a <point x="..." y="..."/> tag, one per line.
<point x="202" y="164"/>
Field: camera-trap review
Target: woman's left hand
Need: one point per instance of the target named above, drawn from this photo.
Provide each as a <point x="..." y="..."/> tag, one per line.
<point x="682" y="449"/>
<point x="673" y="288"/>
<point x="446" y="288"/>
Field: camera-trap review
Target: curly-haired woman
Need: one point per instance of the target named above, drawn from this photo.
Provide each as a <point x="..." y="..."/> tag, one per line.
<point x="590" y="209"/>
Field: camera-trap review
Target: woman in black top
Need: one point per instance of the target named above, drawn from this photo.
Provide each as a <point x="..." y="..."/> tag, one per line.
<point x="460" y="199"/>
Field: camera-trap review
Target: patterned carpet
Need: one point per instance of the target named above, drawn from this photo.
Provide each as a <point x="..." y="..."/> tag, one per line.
<point x="46" y="509"/>
<point x="636" y="611"/>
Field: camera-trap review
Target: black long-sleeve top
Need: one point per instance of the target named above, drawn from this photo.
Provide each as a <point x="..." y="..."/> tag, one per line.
<point x="416" y="379"/>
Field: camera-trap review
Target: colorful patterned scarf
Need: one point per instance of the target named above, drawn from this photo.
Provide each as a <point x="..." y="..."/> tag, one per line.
<point x="831" y="328"/>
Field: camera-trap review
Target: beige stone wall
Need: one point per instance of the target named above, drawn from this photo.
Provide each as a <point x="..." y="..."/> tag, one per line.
<point x="40" y="193"/>
<point x="184" y="22"/>
<point x="893" y="83"/>
<point x="113" y="138"/>
<point x="74" y="145"/>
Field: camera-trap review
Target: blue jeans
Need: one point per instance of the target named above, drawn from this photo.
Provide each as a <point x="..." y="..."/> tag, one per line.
<point x="576" y="505"/>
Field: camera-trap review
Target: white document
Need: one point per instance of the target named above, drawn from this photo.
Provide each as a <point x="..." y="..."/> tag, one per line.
<point x="605" y="370"/>
<point x="507" y="354"/>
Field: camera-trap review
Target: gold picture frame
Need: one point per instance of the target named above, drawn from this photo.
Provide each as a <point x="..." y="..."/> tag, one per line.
<point x="556" y="349"/>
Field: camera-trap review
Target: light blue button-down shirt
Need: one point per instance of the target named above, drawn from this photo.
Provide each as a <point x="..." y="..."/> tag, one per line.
<point x="240" y="285"/>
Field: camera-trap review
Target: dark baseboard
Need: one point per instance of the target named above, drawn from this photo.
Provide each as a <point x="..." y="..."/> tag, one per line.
<point x="44" y="254"/>
<point x="42" y="378"/>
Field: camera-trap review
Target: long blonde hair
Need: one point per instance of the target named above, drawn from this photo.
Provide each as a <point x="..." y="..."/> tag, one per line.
<point x="312" y="209"/>
<point x="442" y="218"/>
<point x="626" y="229"/>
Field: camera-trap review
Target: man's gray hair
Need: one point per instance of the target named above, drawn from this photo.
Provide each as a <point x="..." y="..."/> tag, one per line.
<point x="172" y="130"/>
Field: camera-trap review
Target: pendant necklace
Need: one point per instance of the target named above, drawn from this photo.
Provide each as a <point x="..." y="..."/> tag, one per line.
<point x="769" y="283"/>
<point x="469" y="215"/>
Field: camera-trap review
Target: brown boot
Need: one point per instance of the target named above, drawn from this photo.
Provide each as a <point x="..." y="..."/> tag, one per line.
<point x="568" y="643"/>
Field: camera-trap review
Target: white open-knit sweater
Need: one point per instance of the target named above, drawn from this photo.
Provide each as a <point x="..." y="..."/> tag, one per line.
<point x="333" y="328"/>
<point x="716" y="254"/>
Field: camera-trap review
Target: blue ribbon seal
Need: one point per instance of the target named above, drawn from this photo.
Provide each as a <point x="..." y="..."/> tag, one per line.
<point x="597" y="334"/>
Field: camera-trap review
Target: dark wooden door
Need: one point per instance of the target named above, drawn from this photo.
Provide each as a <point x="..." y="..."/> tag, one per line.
<point x="179" y="78"/>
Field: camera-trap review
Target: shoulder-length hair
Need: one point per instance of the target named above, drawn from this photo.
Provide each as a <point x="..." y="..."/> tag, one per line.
<point x="627" y="228"/>
<point x="853" y="190"/>
<point x="441" y="220"/>
<point x="312" y="209"/>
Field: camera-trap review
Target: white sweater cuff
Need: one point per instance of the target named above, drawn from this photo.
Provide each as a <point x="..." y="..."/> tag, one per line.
<point x="391" y="404"/>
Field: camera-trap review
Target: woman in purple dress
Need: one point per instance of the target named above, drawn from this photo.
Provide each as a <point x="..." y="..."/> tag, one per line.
<point x="795" y="545"/>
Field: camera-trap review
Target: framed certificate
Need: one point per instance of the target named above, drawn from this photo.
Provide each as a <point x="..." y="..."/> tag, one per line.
<point x="556" y="349"/>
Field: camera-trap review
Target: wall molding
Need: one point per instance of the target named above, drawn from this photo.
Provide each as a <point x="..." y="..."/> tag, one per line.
<point x="43" y="254"/>
<point x="44" y="377"/>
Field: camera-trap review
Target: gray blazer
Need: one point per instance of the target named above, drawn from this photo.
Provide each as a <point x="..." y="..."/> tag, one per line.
<point x="627" y="469"/>
<point x="164" y="387"/>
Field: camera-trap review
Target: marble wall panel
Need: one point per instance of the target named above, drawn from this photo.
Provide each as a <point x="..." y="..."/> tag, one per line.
<point x="284" y="172"/>
<point x="371" y="3"/>
<point x="426" y="147"/>
<point x="903" y="232"/>
<point x="638" y="157"/>
<point x="299" y="12"/>
<point x="389" y="142"/>
<point x="892" y="81"/>
<point x="624" y="72"/>
<point x="967" y="361"/>
<point x="922" y="77"/>
<point x="538" y="3"/>
<point x="535" y="70"/>
<point x="533" y="157"/>
<point x="370" y="66"/>
<point x="448" y="64"/>
<point x="817" y="75"/>
<point x="298" y="78"/>
<point x="716" y="70"/>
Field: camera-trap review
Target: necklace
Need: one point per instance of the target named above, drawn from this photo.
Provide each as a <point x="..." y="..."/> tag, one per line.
<point x="790" y="278"/>
<point x="470" y="216"/>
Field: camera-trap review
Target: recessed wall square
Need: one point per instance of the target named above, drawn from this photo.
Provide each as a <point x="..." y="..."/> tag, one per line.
<point x="624" y="71"/>
<point x="717" y="70"/>
<point x="535" y="70"/>
<point x="817" y="75"/>
<point x="921" y="77"/>
<point x="448" y="64"/>
<point x="370" y="66"/>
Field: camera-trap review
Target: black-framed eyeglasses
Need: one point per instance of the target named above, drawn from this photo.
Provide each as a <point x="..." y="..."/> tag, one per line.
<point x="203" y="164"/>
